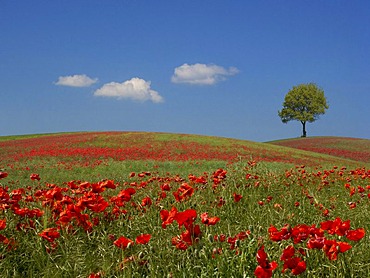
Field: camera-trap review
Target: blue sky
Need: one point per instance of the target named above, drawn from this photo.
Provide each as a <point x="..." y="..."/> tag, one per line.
<point x="211" y="67"/>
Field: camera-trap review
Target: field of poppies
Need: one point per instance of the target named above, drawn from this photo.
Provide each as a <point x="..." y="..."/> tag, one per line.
<point x="350" y="148"/>
<point x="169" y="205"/>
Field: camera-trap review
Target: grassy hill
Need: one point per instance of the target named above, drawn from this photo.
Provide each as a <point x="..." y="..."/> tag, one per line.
<point x="141" y="204"/>
<point x="94" y="147"/>
<point x="344" y="147"/>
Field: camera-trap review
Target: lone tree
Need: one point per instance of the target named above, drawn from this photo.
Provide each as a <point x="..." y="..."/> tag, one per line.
<point x="303" y="103"/>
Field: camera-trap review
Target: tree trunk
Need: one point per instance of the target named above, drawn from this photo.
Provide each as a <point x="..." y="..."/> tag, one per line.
<point x="304" y="134"/>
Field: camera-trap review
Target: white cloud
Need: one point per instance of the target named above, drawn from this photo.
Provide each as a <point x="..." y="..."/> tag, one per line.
<point x="76" y="81"/>
<point x="201" y="74"/>
<point x="135" y="89"/>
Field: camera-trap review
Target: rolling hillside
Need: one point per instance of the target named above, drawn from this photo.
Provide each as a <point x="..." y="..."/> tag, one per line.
<point x="95" y="147"/>
<point x="140" y="204"/>
<point x="349" y="148"/>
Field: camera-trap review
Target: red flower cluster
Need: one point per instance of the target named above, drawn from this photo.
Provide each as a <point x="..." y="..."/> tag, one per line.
<point x="294" y="263"/>
<point x="316" y="236"/>
<point x="185" y="191"/>
<point x="186" y="218"/>
<point x="50" y="234"/>
<point x="124" y="242"/>
<point x="264" y="268"/>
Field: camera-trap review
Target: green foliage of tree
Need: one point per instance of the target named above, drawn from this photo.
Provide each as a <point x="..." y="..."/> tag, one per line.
<point x="304" y="103"/>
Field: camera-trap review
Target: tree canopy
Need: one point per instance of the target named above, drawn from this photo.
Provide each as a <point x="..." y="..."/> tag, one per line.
<point x="304" y="103"/>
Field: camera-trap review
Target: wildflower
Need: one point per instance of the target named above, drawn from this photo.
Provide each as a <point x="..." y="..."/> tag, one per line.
<point x="126" y="194"/>
<point x="187" y="238"/>
<point x="168" y="216"/>
<point x="35" y="177"/>
<point x="315" y="243"/>
<point x="237" y="197"/>
<point x="3" y="175"/>
<point x="209" y="220"/>
<point x="276" y="235"/>
<point x="165" y="187"/>
<point x="332" y="248"/>
<point x="146" y="202"/>
<point x="186" y="218"/>
<point x="50" y="234"/>
<point x="355" y="235"/>
<point x="2" y="224"/>
<point x="95" y="275"/>
<point x="264" y="268"/>
<point x="184" y="191"/>
<point x="123" y="242"/>
<point x="143" y="239"/>
<point x="337" y="226"/>
<point x="295" y="264"/>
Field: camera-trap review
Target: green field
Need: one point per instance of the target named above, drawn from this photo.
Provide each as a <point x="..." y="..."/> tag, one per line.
<point x="138" y="204"/>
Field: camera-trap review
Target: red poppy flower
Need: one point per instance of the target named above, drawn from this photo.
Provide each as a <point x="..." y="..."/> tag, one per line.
<point x="276" y="235"/>
<point x="3" y="175"/>
<point x="97" y="188"/>
<point x="209" y="220"/>
<point x="143" y="239"/>
<point x="296" y="265"/>
<point x="126" y="194"/>
<point x="220" y="238"/>
<point x="165" y="187"/>
<point x="168" y="216"/>
<point x="177" y="241"/>
<point x="4" y="239"/>
<point x="184" y="191"/>
<point x="123" y="242"/>
<point x="95" y="275"/>
<point x="35" y="177"/>
<point x="344" y="246"/>
<point x="187" y="238"/>
<point x="98" y="205"/>
<point x="146" y="202"/>
<point x="315" y="243"/>
<point x="264" y="268"/>
<point x="300" y="233"/>
<point x="356" y="235"/>
<point x="288" y="253"/>
<point x="221" y="202"/>
<point x="2" y="224"/>
<point x="50" y="234"/>
<point x="237" y="197"/>
<point x="337" y="226"/>
<point x="243" y="235"/>
<point x="186" y="217"/>
<point x="332" y="248"/>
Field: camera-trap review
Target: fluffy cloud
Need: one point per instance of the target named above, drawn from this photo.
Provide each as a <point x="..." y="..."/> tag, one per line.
<point x="76" y="81"/>
<point x="135" y="89"/>
<point x="201" y="74"/>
